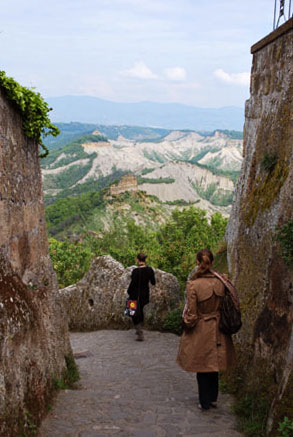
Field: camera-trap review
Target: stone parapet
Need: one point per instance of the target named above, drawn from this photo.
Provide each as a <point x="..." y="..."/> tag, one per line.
<point x="277" y="33"/>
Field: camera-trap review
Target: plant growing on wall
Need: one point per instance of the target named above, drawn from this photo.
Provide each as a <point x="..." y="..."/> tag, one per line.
<point x="284" y="237"/>
<point x="285" y="427"/>
<point x="34" y="110"/>
<point x="269" y="161"/>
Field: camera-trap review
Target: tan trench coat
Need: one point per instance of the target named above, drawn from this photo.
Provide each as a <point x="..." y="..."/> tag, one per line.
<point x="204" y="348"/>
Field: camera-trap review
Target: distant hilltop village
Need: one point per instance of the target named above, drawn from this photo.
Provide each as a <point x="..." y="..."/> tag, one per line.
<point x="100" y="142"/>
<point x="126" y="183"/>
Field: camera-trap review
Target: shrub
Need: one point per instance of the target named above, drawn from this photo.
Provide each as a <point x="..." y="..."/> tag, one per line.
<point x="285" y="427"/>
<point x="173" y="321"/>
<point x="70" y="261"/>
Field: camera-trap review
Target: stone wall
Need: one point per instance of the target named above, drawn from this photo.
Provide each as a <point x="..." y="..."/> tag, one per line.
<point x="98" y="300"/>
<point x="264" y="202"/>
<point x="33" y="336"/>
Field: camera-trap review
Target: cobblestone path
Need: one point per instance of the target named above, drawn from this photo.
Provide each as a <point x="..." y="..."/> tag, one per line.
<point x="133" y="389"/>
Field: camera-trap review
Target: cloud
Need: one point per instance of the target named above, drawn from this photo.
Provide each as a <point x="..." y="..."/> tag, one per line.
<point x="140" y="70"/>
<point x="242" y="79"/>
<point x="175" y="73"/>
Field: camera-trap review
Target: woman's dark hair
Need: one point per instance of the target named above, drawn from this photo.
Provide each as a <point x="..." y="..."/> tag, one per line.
<point x="141" y="257"/>
<point x="205" y="259"/>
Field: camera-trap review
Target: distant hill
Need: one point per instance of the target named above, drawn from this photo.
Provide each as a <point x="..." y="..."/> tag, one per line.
<point x="75" y="130"/>
<point x="179" y="166"/>
<point x="162" y="115"/>
<point x="172" y="168"/>
<point x="72" y="131"/>
<point x="92" y="212"/>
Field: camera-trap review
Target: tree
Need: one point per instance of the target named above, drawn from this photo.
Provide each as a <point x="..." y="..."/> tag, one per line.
<point x="70" y="261"/>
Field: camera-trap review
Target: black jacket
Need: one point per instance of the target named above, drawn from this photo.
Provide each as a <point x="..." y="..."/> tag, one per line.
<point x="139" y="285"/>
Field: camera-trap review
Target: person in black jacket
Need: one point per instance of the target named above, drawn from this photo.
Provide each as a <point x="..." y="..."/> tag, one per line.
<point x="139" y="290"/>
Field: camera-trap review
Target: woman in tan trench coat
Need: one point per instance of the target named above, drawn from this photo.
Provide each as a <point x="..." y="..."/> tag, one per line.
<point x="204" y="349"/>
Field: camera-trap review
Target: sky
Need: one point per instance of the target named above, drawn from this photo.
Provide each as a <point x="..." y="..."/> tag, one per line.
<point x="195" y="52"/>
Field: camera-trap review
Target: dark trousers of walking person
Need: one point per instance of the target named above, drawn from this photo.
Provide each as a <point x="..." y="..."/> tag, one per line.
<point x="138" y="322"/>
<point x="139" y="316"/>
<point x="208" y="383"/>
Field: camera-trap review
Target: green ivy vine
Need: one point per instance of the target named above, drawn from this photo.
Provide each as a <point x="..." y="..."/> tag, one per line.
<point x="34" y="111"/>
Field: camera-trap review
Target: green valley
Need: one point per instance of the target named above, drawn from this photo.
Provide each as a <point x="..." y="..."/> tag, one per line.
<point x="116" y="190"/>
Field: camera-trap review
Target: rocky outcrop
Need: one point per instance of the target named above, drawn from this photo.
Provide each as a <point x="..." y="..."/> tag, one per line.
<point x="263" y="204"/>
<point x="98" y="300"/>
<point x="33" y="335"/>
<point x="127" y="183"/>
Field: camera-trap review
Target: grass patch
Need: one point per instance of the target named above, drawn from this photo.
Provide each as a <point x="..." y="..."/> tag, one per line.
<point x="141" y="180"/>
<point x="252" y="411"/>
<point x="70" y="374"/>
<point x="181" y="202"/>
<point x="30" y="428"/>
<point x="253" y="385"/>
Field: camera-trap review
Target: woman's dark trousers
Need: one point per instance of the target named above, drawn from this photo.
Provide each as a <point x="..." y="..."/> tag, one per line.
<point x="138" y="322"/>
<point x="139" y="317"/>
<point x="207" y="388"/>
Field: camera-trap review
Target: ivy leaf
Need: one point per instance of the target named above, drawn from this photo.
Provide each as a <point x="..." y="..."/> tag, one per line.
<point x="34" y="110"/>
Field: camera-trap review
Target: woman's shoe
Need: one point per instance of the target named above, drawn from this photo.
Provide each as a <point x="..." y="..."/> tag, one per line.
<point x="139" y="333"/>
<point x="202" y="408"/>
<point x="213" y="404"/>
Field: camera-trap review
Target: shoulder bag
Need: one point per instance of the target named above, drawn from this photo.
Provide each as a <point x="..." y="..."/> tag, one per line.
<point x="230" y="314"/>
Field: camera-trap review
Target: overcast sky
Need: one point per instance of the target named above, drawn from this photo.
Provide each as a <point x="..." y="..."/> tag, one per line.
<point x="195" y="52"/>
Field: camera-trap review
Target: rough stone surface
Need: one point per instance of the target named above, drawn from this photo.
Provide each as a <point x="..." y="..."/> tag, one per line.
<point x="263" y="201"/>
<point x="98" y="300"/>
<point x="33" y="335"/>
<point x="133" y="389"/>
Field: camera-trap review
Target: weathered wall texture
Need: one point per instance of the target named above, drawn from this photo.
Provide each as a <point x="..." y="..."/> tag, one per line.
<point x="98" y="300"/>
<point x="264" y="201"/>
<point x="33" y="335"/>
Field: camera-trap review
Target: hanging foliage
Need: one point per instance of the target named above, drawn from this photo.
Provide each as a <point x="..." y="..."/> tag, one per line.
<point x="33" y="108"/>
